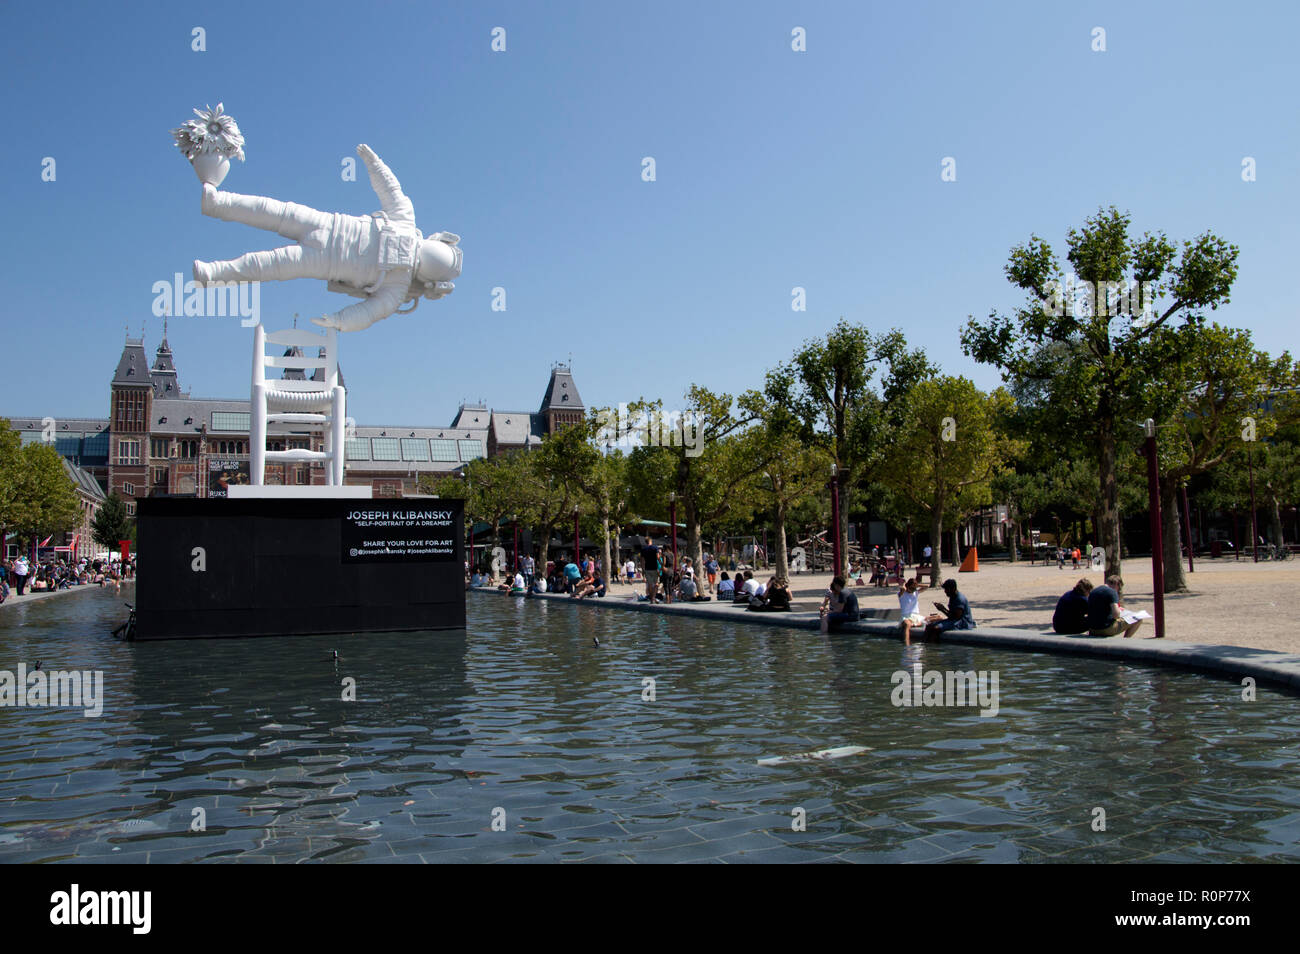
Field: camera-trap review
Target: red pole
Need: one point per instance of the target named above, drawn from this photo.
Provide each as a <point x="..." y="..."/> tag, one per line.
<point x="1187" y="519"/>
<point x="471" y="546"/>
<point x="835" y="520"/>
<point x="1157" y="552"/>
<point x="672" y="518"/>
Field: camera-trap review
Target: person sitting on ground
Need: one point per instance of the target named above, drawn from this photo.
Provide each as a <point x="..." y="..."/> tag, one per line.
<point x="1105" y="611"/>
<point x="519" y="586"/>
<point x="910" y="614"/>
<point x="750" y="589"/>
<point x="539" y="584"/>
<point x="839" y="607"/>
<point x="1071" y="616"/>
<point x="688" y="591"/>
<point x="585" y="586"/>
<point x="726" y="589"/>
<point x="775" y="598"/>
<point x="956" y="615"/>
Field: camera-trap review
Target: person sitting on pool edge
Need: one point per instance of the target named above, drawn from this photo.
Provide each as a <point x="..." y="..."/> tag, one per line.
<point x="956" y="615"/>
<point x="775" y="598"/>
<point x="726" y="589"/>
<point x="840" y="606"/>
<point x="1104" y="611"/>
<point x="909" y="595"/>
<point x="1071" y="616"/>
<point x="591" y="584"/>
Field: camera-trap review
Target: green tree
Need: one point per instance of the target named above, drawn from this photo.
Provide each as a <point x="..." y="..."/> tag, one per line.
<point x="827" y="387"/>
<point x="1102" y="339"/>
<point x="1206" y="380"/>
<point x="45" y="499"/>
<point x="947" y="451"/>
<point x="111" y="523"/>
<point x="10" y="449"/>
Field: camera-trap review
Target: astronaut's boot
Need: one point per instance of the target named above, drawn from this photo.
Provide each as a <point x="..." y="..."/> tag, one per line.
<point x="203" y="270"/>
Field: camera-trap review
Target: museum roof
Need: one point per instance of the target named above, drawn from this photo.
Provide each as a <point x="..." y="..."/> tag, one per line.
<point x="561" y="392"/>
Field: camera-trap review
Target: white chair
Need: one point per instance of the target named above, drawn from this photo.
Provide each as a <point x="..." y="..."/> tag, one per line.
<point x="277" y="401"/>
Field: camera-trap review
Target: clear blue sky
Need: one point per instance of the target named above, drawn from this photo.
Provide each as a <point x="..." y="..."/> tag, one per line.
<point x="775" y="169"/>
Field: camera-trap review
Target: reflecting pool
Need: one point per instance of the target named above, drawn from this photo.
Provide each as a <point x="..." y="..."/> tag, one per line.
<point x="551" y="732"/>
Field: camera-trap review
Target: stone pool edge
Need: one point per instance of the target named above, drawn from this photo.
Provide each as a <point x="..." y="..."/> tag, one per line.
<point x="1265" y="666"/>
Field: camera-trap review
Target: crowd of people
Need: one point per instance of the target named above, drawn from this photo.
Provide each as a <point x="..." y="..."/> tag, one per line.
<point x="21" y="576"/>
<point x="1095" y="610"/>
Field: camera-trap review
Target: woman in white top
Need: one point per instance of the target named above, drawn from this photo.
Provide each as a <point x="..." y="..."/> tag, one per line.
<point x="908" y="596"/>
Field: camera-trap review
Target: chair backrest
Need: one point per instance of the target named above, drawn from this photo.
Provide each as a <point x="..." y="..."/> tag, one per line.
<point x="328" y="344"/>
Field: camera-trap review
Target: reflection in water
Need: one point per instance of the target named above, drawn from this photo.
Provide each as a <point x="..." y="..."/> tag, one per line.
<point x="526" y="714"/>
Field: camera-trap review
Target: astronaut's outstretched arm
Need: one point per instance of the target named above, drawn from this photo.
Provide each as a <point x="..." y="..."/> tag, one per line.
<point x="391" y="197"/>
<point x="386" y="299"/>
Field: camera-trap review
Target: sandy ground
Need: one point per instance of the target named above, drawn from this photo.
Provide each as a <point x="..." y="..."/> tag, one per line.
<point x="1228" y="602"/>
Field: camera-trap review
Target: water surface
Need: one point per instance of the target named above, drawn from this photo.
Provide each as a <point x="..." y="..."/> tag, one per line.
<point x="524" y="723"/>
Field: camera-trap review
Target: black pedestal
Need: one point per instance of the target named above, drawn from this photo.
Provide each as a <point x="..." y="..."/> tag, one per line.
<point x="278" y="567"/>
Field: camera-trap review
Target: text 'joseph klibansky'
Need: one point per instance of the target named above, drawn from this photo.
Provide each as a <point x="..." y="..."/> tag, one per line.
<point x="74" y="689"/>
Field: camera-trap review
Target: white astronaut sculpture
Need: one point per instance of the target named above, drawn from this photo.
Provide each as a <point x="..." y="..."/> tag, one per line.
<point x="381" y="258"/>
<point x="798" y="560"/>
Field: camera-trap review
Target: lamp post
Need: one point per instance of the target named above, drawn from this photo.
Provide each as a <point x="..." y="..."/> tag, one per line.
<point x="1157" y="552"/>
<point x="835" y="518"/>
<point x="672" y="519"/>
<point x="577" y="539"/>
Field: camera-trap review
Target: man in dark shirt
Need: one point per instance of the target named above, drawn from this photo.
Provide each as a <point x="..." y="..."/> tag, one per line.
<point x="956" y="615"/>
<point x="1104" y="611"/>
<point x="650" y="557"/>
<point x="839" y="606"/>
<point x="1071" y="614"/>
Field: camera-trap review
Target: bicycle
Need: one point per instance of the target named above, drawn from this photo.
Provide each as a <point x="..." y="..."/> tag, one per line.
<point x="126" y="630"/>
<point x="1280" y="552"/>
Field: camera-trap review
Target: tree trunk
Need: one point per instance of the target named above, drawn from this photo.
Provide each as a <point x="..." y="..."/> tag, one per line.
<point x="606" y="566"/>
<point x="782" y="560"/>
<point x="1015" y="538"/>
<point x="1171" y="543"/>
<point x="956" y="548"/>
<point x="842" y="531"/>
<point x="544" y="555"/>
<point x="694" y="545"/>
<point x="1275" y="521"/>
<point x="1109" y="488"/>
<point x="616" y="570"/>
<point x="936" y="557"/>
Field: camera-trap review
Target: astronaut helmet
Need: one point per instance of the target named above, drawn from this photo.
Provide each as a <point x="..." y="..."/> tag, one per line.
<point x="440" y="258"/>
